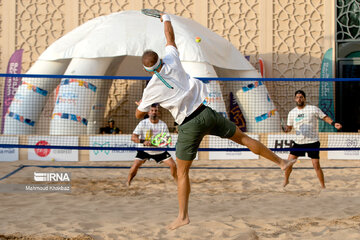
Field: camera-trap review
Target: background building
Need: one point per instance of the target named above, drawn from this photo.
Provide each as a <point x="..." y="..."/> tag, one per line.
<point x="290" y="36"/>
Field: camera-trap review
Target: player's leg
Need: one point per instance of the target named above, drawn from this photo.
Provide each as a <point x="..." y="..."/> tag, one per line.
<point x="183" y="167"/>
<point x="140" y="158"/>
<point x="166" y="158"/>
<point x="259" y="149"/>
<point x="318" y="170"/>
<point x="133" y="170"/>
<point x="189" y="138"/>
<point x="173" y="169"/>
<point x="289" y="170"/>
<point x="315" y="158"/>
<point x="226" y="129"/>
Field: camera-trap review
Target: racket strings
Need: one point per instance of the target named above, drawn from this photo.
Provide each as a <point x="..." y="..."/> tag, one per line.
<point x="161" y="139"/>
<point x="152" y="12"/>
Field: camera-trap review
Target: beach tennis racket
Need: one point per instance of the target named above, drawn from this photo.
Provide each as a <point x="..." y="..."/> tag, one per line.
<point x="152" y="12"/>
<point x="161" y="140"/>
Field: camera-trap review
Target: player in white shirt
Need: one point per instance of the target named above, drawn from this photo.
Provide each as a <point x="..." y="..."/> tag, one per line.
<point x="143" y="134"/>
<point x="304" y="119"/>
<point x="183" y="96"/>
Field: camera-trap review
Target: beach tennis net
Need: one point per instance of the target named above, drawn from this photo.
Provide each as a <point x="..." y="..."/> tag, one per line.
<point x="97" y="113"/>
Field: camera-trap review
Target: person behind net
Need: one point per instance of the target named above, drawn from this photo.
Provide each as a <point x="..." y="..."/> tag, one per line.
<point x="303" y="118"/>
<point x="183" y="96"/>
<point x="111" y="128"/>
<point x="143" y="133"/>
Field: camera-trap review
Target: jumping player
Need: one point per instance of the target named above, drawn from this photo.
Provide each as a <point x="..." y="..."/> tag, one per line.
<point x="183" y="96"/>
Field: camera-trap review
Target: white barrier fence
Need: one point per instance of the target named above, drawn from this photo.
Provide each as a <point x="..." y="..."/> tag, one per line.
<point x="124" y="140"/>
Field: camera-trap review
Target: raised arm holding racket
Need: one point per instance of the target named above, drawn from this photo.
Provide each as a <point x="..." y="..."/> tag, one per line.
<point x="148" y="59"/>
<point x="183" y="96"/>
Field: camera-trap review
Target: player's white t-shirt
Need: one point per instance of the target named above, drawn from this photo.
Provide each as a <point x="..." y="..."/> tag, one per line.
<point x="146" y="130"/>
<point x="305" y="123"/>
<point x="184" y="99"/>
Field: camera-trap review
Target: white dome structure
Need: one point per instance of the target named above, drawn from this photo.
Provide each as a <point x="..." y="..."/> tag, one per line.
<point x="115" y="43"/>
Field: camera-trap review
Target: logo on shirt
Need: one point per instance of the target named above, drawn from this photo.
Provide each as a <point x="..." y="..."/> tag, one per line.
<point x="299" y="117"/>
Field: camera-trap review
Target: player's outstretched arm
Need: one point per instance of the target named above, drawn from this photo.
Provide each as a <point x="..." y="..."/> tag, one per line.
<point x="168" y="30"/>
<point x="328" y="120"/>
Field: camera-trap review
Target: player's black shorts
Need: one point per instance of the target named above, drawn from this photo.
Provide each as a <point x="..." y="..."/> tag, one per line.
<point x="141" y="155"/>
<point x="311" y="154"/>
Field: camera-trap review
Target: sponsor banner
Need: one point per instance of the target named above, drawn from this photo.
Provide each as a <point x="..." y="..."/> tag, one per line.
<point x="215" y="142"/>
<point x="215" y="99"/>
<point x="73" y="99"/>
<point x="112" y="141"/>
<point x="9" y="154"/>
<point x="69" y="98"/>
<point x="123" y="140"/>
<point x="44" y="154"/>
<point x="326" y="92"/>
<point x="326" y="65"/>
<point x="11" y="83"/>
<point x="344" y="141"/>
<point x="282" y="141"/>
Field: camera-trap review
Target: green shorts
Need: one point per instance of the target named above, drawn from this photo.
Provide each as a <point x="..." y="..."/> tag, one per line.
<point x="208" y="122"/>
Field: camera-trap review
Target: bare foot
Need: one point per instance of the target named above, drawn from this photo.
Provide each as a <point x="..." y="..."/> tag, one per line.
<point x="128" y="183"/>
<point x="178" y="223"/>
<point x="286" y="164"/>
<point x="286" y="182"/>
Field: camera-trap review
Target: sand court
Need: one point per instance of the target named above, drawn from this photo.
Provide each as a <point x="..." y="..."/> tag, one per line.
<point x="239" y="200"/>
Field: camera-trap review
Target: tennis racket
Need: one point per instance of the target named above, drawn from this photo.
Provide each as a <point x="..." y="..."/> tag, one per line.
<point x="161" y="140"/>
<point x="152" y="12"/>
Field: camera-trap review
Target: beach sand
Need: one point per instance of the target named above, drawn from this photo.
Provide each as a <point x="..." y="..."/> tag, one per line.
<point x="246" y="201"/>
